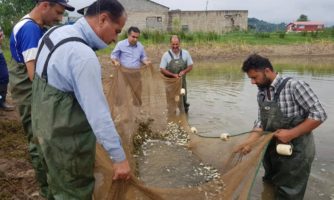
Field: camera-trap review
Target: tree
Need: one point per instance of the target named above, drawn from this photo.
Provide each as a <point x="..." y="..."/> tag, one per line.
<point x="11" y="11"/>
<point x="302" y="18"/>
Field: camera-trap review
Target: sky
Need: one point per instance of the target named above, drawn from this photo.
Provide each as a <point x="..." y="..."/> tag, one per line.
<point x="273" y="11"/>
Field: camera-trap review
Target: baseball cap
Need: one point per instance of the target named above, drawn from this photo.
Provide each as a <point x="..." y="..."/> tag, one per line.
<point x="61" y="2"/>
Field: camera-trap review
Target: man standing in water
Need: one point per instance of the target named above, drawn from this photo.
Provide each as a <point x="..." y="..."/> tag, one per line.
<point x="291" y="110"/>
<point x="23" y="46"/>
<point x="176" y="63"/>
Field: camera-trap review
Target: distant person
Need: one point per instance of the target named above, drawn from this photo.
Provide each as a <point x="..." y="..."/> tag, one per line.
<point x="291" y="110"/>
<point x="176" y="63"/>
<point x="23" y="46"/>
<point x="69" y="110"/>
<point x="129" y="53"/>
<point x="4" y="79"/>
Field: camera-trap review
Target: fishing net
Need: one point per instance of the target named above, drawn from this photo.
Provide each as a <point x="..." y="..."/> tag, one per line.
<point x="169" y="159"/>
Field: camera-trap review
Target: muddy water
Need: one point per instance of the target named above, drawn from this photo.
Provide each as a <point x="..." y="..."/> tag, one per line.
<point x="223" y="100"/>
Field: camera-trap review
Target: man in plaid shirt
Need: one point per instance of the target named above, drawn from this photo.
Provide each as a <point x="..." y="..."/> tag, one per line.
<point x="291" y="110"/>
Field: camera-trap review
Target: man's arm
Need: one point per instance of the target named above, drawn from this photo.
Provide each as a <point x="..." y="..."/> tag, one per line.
<point x="308" y="101"/>
<point x="247" y="145"/>
<point x="91" y="93"/>
<point x="168" y="73"/>
<point x="115" y="55"/>
<point x="185" y="71"/>
<point x="30" y="69"/>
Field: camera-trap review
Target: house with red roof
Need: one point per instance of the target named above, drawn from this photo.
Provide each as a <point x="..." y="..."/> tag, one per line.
<point x="308" y="26"/>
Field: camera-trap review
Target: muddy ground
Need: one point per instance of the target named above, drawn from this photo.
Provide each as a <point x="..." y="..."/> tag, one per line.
<point x="16" y="174"/>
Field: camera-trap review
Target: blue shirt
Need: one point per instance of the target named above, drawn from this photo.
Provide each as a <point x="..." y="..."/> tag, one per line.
<point x="74" y="67"/>
<point x="24" y="40"/>
<point x="128" y="55"/>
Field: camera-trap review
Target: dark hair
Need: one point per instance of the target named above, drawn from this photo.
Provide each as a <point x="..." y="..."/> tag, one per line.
<point x="114" y="9"/>
<point x="133" y="29"/>
<point x="256" y="62"/>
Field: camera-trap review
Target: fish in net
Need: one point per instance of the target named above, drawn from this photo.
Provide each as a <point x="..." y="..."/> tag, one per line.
<point x="169" y="159"/>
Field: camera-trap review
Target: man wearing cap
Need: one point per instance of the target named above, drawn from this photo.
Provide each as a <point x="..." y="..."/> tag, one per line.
<point x="23" y="46"/>
<point x="69" y="110"/>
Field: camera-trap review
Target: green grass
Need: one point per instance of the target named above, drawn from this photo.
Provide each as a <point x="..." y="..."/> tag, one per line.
<point x="235" y="38"/>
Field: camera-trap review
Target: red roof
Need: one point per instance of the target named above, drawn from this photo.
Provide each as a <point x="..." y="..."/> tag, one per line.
<point x="308" y="23"/>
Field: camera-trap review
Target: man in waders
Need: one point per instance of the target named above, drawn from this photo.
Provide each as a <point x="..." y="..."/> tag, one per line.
<point x="130" y="54"/>
<point x="23" y="46"/>
<point x="176" y="63"/>
<point x="291" y="110"/>
<point x="69" y="110"/>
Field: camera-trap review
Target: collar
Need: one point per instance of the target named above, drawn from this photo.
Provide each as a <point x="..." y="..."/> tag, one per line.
<point x="128" y="43"/>
<point x="89" y="35"/>
<point x="277" y="81"/>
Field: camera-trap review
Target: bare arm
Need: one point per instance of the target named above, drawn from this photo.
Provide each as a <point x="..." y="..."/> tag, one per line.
<point x="185" y="71"/>
<point x="31" y="69"/>
<point x="168" y="73"/>
<point x="286" y="135"/>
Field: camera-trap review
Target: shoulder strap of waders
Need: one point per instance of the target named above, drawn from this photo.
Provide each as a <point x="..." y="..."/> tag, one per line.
<point x="171" y="55"/>
<point x="70" y="39"/>
<point x="46" y="40"/>
<point x="280" y="88"/>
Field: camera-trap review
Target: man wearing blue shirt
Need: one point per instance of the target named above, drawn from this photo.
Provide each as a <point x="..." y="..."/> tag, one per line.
<point x="23" y="46"/>
<point x="69" y="110"/>
<point x="130" y="54"/>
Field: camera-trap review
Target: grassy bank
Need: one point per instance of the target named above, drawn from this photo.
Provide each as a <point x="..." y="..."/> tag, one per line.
<point x="234" y="40"/>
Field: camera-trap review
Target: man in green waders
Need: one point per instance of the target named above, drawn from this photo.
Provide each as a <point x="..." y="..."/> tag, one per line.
<point x="291" y="110"/>
<point x="23" y="46"/>
<point x="176" y="63"/>
<point x="69" y="110"/>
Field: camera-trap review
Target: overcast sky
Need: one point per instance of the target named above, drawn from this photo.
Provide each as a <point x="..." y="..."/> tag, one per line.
<point x="274" y="11"/>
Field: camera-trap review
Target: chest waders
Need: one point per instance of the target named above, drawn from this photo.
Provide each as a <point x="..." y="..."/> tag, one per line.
<point x="65" y="137"/>
<point x="176" y="66"/>
<point x="289" y="174"/>
<point x="21" y="91"/>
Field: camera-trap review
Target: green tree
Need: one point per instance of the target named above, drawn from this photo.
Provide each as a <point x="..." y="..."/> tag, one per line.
<point x="302" y="18"/>
<point x="11" y="11"/>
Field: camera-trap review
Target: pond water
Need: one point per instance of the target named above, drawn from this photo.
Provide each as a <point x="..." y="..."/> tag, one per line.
<point x="223" y="100"/>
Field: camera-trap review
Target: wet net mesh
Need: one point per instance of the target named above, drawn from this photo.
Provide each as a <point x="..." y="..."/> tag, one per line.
<point x="169" y="159"/>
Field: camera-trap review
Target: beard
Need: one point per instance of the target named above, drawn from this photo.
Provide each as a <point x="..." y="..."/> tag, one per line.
<point x="265" y="83"/>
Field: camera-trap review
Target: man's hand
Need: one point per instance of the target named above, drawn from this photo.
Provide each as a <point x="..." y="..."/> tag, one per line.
<point x="181" y="73"/>
<point x="121" y="170"/>
<point x="147" y="62"/>
<point x="116" y="63"/>
<point x="243" y="148"/>
<point x="283" y="135"/>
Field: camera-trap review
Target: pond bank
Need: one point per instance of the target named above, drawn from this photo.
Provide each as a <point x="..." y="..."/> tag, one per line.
<point x="220" y="52"/>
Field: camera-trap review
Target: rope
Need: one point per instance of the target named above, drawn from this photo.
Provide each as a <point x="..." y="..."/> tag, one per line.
<point x="230" y="135"/>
